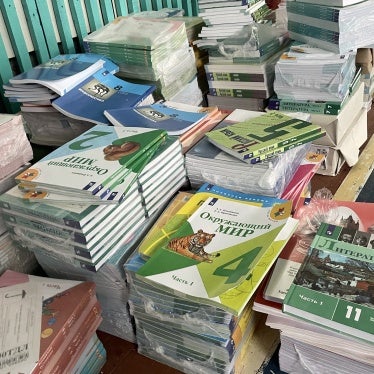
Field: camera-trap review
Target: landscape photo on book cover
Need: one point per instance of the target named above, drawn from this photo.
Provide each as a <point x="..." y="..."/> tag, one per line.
<point x="334" y="286"/>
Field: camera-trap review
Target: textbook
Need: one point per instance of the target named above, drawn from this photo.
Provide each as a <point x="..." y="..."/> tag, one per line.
<point x="101" y="91"/>
<point x="310" y="212"/>
<point x="158" y="237"/>
<point x="175" y="118"/>
<point x="334" y="285"/>
<point x="249" y="139"/>
<point x="63" y="72"/>
<point x="198" y="260"/>
<point x="90" y="162"/>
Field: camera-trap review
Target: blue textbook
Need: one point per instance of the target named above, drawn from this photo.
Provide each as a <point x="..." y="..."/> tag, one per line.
<point x="175" y="118"/>
<point x="63" y="72"/>
<point x="99" y="92"/>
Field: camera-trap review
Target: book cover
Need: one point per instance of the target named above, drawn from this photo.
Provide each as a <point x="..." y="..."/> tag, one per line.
<point x="172" y="117"/>
<point x="310" y="213"/>
<point x="91" y="159"/>
<point x="208" y="263"/>
<point x="159" y="237"/>
<point x="334" y="286"/>
<point x="63" y="72"/>
<point x="101" y="91"/>
<point x="248" y="139"/>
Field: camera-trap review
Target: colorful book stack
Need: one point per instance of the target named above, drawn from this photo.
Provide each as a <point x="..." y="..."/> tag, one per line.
<point x="221" y="323"/>
<point x="57" y="325"/>
<point x="206" y="163"/>
<point x="148" y="51"/>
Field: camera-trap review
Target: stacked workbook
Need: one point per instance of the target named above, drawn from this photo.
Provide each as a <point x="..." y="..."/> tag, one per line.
<point x="206" y="162"/>
<point x="16" y="154"/>
<point x="38" y="87"/>
<point x="147" y="50"/>
<point x="50" y="325"/>
<point x="328" y="86"/>
<point x="192" y="307"/>
<point x="188" y="122"/>
<point x="338" y="26"/>
<point x="314" y="263"/>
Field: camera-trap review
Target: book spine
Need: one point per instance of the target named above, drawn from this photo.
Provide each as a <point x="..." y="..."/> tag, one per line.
<point x="308" y="107"/>
<point x="63" y="334"/>
<point x="71" y="354"/>
<point x="314" y="32"/>
<point x="43" y="228"/>
<point x="281" y="149"/>
<point x="234" y="77"/>
<point x="258" y="94"/>
<point x="314" y="10"/>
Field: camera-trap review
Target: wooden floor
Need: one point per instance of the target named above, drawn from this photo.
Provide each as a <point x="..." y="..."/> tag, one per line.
<point x="122" y="356"/>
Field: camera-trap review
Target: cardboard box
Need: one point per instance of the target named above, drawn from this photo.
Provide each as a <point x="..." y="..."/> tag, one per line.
<point x="337" y="125"/>
<point x="347" y="151"/>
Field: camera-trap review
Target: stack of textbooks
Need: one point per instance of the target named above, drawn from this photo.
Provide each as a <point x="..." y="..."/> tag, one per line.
<point x="111" y="286"/>
<point x="311" y="73"/>
<point x="57" y="322"/>
<point x="206" y="163"/>
<point x="98" y="167"/>
<point x="88" y="233"/>
<point x="339" y="28"/>
<point x="15" y="157"/>
<point x="38" y="87"/>
<point x="200" y="289"/>
<point x="329" y="87"/>
<point x="225" y="18"/>
<point x="242" y="81"/>
<point x="91" y="242"/>
<point x="242" y="56"/>
<point x="262" y="137"/>
<point x="334" y="276"/>
<point x="88" y="100"/>
<point x="147" y="50"/>
<point x="333" y="288"/>
<point x="188" y="122"/>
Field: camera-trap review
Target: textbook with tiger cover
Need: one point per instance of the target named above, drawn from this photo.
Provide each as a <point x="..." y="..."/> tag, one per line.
<point x="159" y="235"/>
<point x="221" y="250"/>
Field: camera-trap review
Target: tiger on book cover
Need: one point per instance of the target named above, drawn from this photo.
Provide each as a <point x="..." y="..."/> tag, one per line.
<point x="193" y="246"/>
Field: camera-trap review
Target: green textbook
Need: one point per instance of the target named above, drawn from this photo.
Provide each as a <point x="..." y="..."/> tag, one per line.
<point x="249" y="139"/>
<point x="334" y="286"/>
<point x="219" y="250"/>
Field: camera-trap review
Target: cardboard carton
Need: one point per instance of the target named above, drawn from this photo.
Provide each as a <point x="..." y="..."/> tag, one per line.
<point x="348" y="148"/>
